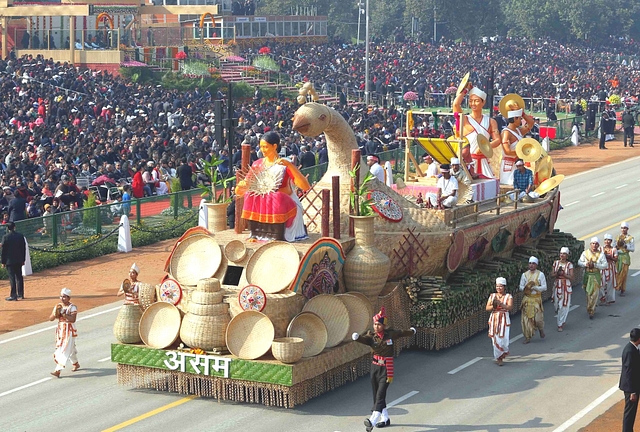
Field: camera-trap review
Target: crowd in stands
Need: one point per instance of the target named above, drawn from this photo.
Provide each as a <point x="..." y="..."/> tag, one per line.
<point x="66" y="130"/>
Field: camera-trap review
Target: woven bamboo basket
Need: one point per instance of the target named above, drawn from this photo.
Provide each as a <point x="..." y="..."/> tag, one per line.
<point x="207" y="298"/>
<point x="278" y="255"/>
<point x="146" y="295"/>
<point x="235" y="250"/>
<point x="310" y="328"/>
<point x="208" y="309"/>
<point x="249" y="335"/>
<point x="197" y="257"/>
<point x="208" y="285"/>
<point x="333" y="313"/>
<point x="127" y="325"/>
<point x="280" y="308"/>
<point x="185" y="301"/>
<point x="206" y="332"/>
<point x="358" y="314"/>
<point x="160" y="325"/>
<point x="288" y="349"/>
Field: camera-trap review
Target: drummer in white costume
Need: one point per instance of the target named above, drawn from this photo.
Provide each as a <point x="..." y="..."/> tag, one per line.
<point x="513" y="133"/>
<point x="474" y="124"/>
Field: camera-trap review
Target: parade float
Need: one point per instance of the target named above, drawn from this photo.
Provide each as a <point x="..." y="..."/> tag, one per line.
<point x="270" y="322"/>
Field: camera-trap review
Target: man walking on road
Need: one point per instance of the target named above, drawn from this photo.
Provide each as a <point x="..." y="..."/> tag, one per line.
<point x="533" y="283"/>
<point x="593" y="261"/>
<point x="630" y="380"/>
<point x="14" y="254"/>
<point x="628" y="123"/>
<point x="624" y="244"/>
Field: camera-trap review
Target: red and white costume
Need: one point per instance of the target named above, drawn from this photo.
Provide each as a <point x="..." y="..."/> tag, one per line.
<point x="66" y="339"/>
<point x="499" y="325"/>
<point x="562" y="291"/>
<point x="607" y="289"/>
<point x="480" y="161"/>
<point x="508" y="163"/>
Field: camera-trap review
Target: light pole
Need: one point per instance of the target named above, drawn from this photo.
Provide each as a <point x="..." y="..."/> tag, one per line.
<point x="360" y="12"/>
<point x="366" y="53"/>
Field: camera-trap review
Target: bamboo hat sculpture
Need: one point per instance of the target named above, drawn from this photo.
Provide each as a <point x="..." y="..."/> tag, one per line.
<point x="485" y="146"/>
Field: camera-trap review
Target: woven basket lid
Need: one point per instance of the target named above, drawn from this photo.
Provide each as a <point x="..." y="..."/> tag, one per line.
<point x="275" y="256"/>
<point x="170" y="291"/>
<point x="249" y="335"/>
<point x="367" y="302"/>
<point x="197" y="257"/>
<point x="310" y="328"/>
<point x="160" y="325"/>
<point x="208" y="285"/>
<point x="235" y="250"/>
<point x="358" y="314"/>
<point x="333" y="313"/>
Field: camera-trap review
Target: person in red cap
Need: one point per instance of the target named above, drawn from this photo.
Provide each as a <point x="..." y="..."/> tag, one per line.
<point x="381" y="342"/>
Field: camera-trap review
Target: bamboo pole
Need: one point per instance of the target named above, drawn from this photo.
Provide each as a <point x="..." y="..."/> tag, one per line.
<point x="325" y="212"/>
<point x="246" y="159"/>
<point x="335" y="191"/>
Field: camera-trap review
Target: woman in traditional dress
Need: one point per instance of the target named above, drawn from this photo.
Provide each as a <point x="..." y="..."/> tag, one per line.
<point x="131" y="291"/>
<point x="280" y="203"/>
<point x="562" y="272"/>
<point x="66" y="313"/>
<point x="499" y="304"/>
<point x="511" y="135"/>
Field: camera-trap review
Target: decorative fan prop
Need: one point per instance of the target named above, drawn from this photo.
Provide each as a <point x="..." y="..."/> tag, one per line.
<point x="385" y="206"/>
<point x="477" y="248"/>
<point x="170" y="291"/>
<point x="522" y="234"/>
<point x="253" y="298"/>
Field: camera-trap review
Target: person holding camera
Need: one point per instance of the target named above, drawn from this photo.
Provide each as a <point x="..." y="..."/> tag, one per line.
<point x="562" y="272"/>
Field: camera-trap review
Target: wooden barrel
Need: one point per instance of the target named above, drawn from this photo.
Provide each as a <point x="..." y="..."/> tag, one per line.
<point x="126" y="327"/>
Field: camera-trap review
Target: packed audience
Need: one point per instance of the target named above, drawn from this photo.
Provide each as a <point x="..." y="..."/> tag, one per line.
<point x="66" y="131"/>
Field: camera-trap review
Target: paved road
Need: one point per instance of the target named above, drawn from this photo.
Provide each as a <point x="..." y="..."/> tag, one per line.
<point x="558" y="384"/>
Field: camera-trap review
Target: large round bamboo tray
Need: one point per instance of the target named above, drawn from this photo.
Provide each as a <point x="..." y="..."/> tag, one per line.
<point x="146" y="295"/>
<point x="127" y="325"/>
<point x="370" y="306"/>
<point x="160" y="325"/>
<point x="310" y="328"/>
<point x="288" y="349"/>
<point x="195" y="258"/>
<point x="280" y="308"/>
<point x="206" y="332"/>
<point x="208" y="309"/>
<point x="277" y="256"/>
<point x="333" y="313"/>
<point x="207" y="298"/>
<point x="235" y="250"/>
<point x="208" y="285"/>
<point x="358" y="314"/>
<point x="249" y="335"/>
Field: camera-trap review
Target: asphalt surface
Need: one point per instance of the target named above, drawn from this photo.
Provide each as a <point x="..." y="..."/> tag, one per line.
<point x="560" y="383"/>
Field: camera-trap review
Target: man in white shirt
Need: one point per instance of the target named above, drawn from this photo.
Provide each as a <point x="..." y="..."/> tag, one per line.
<point x="447" y="189"/>
<point x="373" y="162"/>
<point x="432" y="166"/>
<point x="533" y="283"/>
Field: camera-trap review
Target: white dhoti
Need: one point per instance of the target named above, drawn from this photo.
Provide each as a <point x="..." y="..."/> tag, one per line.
<point x="297" y="231"/>
<point x="562" y="303"/>
<point x="507" y="165"/>
<point x="499" y="325"/>
<point x="65" y="345"/>
<point x="608" y="287"/>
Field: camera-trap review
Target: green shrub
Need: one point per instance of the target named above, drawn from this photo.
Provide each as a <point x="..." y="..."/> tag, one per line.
<point x="90" y="215"/>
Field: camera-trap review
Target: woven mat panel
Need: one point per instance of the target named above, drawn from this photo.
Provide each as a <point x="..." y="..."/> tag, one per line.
<point x="242" y="391"/>
<point x="398" y="307"/>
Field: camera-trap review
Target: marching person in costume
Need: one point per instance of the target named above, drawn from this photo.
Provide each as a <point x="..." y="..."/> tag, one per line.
<point x="624" y="245"/>
<point x="381" y="342"/>
<point x="66" y="313"/>
<point x="593" y="262"/>
<point x="533" y="283"/>
<point x="499" y="304"/>
<point x="562" y="272"/>
<point x="476" y="124"/>
<point x="513" y="133"/>
<point x="131" y="291"/>
<point x="607" y="290"/>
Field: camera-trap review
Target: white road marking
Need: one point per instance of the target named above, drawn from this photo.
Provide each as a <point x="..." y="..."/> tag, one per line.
<point x="564" y="426"/>
<point x="53" y="327"/>
<point x="636" y="274"/>
<point x="621" y="186"/>
<point x="598" y="194"/>
<point x="8" y="392"/>
<point x="467" y="364"/>
<point x="515" y="338"/>
<point x="402" y="399"/>
<point x="570" y="309"/>
<point x="570" y="204"/>
<point x="104" y="359"/>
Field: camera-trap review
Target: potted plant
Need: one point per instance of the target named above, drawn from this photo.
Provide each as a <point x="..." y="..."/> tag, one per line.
<point x="217" y="194"/>
<point x="366" y="268"/>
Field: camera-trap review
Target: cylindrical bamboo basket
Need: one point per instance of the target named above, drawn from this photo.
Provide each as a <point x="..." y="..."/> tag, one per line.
<point x="366" y="268"/>
<point x="206" y="332"/>
<point x="280" y="308"/>
<point x="208" y="285"/>
<point x="126" y="327"/>
<point x="288" y="349"/>
<point x="216" y="216"/>
<point x="146" y="295"/>
<point x="207" y="298"/>
<point x="208" y="309"/>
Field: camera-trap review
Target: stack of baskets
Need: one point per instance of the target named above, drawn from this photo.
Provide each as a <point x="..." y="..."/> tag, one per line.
<point x="205" y="324"/>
